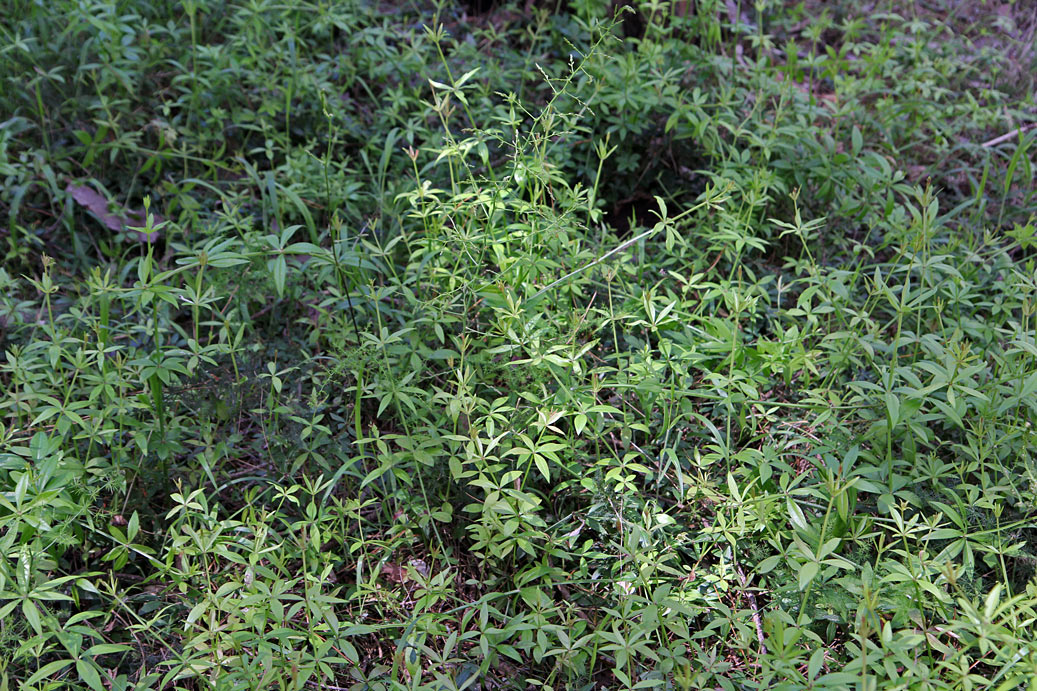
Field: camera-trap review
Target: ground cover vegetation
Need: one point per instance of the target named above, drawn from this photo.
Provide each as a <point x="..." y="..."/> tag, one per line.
<point x="431" y="346"/>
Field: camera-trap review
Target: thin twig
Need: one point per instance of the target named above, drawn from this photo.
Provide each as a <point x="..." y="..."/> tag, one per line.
<point x="715" y="201"/>
<point x="597" y="261"/>
<point x="756" y="609"/>
<point x="1008" y="135"/>
<point x="326" y="685"/>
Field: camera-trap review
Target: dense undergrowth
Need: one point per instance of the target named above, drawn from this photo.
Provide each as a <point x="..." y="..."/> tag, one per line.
<point x="385" y="346"/>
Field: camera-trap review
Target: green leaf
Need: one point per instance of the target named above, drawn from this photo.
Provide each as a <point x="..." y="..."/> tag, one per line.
<point x="799" y="521"/>
<point x="992" y="600"/>
<point x="892" y="408"/>
<point x="279" y="271"/>
<point x="88" y="673"/>
<point x="541" y="464"/>
<point x="579" y="423"/>
<point x="817" y="659"/>
<point x="807" y="573"/>
<point x="48" y="670"/>
<point x="465" y="77"/>
<point x="107" y="649"/>
<point x="32" y="615"/>
<point x="768" y="564"/>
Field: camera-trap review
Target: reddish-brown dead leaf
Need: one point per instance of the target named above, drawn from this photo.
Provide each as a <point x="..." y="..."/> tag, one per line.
<point x="123" y="220"/>
<point x="395" y="574"/>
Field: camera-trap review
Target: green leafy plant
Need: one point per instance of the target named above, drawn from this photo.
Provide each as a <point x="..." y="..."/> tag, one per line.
<point x="665" y="345"/>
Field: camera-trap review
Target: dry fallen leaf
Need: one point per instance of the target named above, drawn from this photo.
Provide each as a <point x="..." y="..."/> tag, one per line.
<point x="97" y="205"/>
<point x="395" y="574"/>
